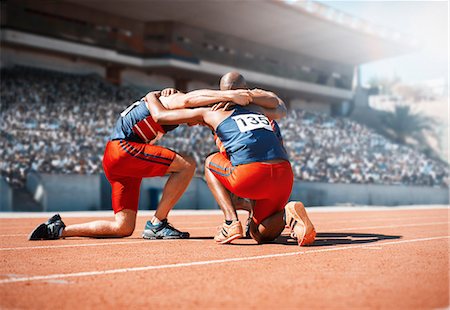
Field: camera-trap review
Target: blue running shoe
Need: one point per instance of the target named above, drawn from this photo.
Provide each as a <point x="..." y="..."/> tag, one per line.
<point x="163" y="230"/>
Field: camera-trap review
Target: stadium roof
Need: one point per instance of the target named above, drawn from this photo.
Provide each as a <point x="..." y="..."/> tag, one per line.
<point x="304" y="27"/>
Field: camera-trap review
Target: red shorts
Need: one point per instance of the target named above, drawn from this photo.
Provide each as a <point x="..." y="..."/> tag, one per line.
<point x="125" y="164"/>
<point x="269" y="184"/>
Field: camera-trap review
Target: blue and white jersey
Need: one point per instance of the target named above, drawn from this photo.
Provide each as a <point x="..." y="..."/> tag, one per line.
<point x="248" y="137"/>
<point x="136" y="124"/>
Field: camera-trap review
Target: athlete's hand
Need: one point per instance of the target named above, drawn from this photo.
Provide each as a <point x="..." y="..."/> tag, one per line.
<point x="155" y="93"/>
<point x="224" y="106"/>
<point x="241" y="97"/>
<point x="256" y="91"/>
<point x="166" y="92"/>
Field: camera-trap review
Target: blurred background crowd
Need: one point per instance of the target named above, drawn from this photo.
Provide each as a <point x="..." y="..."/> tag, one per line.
<point x="59" y="123"/>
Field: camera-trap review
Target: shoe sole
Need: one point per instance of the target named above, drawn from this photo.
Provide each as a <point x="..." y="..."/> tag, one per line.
<point x="309" y="238"/>
<point x="229" y="239"/>
<point x="298" y="213"/>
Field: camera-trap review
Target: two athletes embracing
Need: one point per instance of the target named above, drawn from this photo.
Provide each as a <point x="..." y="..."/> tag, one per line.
<point x="251" y="170"/>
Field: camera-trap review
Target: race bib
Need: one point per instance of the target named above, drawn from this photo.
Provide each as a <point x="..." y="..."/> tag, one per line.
<point x="248" y="122"/>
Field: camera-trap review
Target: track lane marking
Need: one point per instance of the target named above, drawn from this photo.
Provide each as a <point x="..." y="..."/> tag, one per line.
<point x="327" y="222"/>
<point x="203" y="263"/>
<point x="90" y="244"/>
<point x="165" y="240"/>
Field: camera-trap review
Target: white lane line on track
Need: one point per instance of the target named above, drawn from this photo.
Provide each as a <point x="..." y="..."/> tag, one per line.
<point x="202" y="263"/>
<point x="176" y="223"/>
<point x="150" y="241"/>
<point x="89" y="244"/>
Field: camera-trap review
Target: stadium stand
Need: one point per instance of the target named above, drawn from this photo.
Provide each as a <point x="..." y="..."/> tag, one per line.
<point x="59" y="123"/>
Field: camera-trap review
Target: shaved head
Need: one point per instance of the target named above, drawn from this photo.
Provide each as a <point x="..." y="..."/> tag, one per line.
<point x="232" y="80"/>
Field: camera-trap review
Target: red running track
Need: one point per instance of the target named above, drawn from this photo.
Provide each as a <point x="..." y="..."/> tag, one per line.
<point x="391" y="259"/>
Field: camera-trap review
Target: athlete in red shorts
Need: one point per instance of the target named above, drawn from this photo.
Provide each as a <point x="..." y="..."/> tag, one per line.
<point x="252" y="164"/>
<point x="295" y="215"/>
<point x="131" y="156"/>
<point x="255" y="165"/>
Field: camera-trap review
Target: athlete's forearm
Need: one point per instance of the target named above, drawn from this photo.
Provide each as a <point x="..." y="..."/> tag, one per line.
<point x="206" y="97"/>
<point x="265" y="99"/>
<point x="164" y="116"/>
<point x="277" y="113"/>
<point x="269" y="103"/>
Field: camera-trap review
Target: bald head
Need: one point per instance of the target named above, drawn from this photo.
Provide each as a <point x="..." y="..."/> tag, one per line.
<point x="232" y="80"/>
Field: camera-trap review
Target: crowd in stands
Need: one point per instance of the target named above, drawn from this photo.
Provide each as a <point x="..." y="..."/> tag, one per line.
<point x="59" y="123"/>
<point x="55" y="122"/>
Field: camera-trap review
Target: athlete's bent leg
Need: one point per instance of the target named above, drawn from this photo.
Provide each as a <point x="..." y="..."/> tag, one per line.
<point x="220" y="193"/>
<point x="181" y="172"/>
<point x="122" y="226"/>
<point x="269" y="229"/>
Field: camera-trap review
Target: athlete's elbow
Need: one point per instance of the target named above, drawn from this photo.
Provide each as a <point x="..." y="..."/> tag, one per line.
<point x="281" y="110"/>
<point x="158" y="117"/>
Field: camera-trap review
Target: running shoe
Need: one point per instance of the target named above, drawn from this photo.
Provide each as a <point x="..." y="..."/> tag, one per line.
<point x="50" y="230"/>
<point x="247" y="226"/>
<point x="227" y="233"/>
<point x="298" y="221"/>
<point x="163" y="230"/>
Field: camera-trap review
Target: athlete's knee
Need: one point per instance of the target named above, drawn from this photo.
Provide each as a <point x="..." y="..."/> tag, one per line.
<point x="269" y="229"/>
<point x="207" y="161"/>
<point x="190" y="162"/>
<point x="183" y="163"/>
<point x="125" y="223"/>
<point x="257" y="236"/>
<point x="124" y="229"/>
<point x="255" y="233"/>
<point x="261" y="238"/>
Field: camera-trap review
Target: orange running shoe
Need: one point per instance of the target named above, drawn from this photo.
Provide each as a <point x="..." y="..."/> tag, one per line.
<point x="227" y="233"/>
<point x="301" y="227"/>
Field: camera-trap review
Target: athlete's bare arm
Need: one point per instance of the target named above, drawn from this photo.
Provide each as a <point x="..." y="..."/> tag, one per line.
<point x="164" y="116"/>
<point x="205" y="97"/>
<point x="277" y="113"/>
<point x="263" y="101"/>
<point x="268" y="103"/>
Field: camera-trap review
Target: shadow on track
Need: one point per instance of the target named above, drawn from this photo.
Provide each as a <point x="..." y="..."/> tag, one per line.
<point x="330" y="239"/>
<point x="322" y="239"/>
<point x="201" y="238"/>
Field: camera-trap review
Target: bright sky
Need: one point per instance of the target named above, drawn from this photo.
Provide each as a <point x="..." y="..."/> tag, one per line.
<point x="425" y="20"/>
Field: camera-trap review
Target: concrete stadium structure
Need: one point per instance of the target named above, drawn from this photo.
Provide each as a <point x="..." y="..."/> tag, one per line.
<point x="305" y="51"/>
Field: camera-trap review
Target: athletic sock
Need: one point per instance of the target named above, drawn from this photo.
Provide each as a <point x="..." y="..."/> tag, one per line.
<point x="155" y="220"/>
